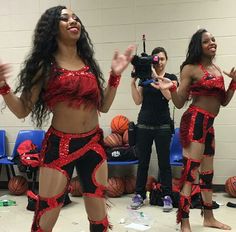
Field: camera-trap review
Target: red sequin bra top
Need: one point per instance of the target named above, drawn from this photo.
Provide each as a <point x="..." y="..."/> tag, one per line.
<point x="208" y="85"/>
<point x="74" y="87"/>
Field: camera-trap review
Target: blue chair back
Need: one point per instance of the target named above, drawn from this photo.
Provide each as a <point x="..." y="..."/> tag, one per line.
<point x="2" y="143"/>
<point x="176" y="151"/>
<point x="36" y="136"/>
<point x="122" y="162"/>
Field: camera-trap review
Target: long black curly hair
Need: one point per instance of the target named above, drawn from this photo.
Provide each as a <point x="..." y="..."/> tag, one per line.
<point x="40" y="59"/>
<point x="194" y="53"/>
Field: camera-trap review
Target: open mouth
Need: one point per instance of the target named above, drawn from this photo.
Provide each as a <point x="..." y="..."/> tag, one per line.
<point x="73" y="29"/>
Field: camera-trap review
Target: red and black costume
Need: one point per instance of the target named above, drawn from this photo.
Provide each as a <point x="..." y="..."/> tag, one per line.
<point x="62" y="151"/>
<point x="197" y="126"/>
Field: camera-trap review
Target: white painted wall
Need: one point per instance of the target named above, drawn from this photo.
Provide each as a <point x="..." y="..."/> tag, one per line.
<point x="115" y="24"/>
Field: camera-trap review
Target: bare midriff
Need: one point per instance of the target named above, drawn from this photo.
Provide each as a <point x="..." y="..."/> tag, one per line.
<point x="74" y="120"/>
<point x="209" y="103"/>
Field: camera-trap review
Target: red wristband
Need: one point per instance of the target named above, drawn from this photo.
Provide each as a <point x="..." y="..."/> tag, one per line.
<point x="173" y="88"/>
<point x="114" y="80"/>
<point x="5" y="89"/>
<point x="232" y="85"/>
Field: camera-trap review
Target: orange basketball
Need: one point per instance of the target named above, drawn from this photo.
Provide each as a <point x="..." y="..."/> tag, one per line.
<point x="126" y="137"/>
<point x="149" y="182"/>
<point x="119" y="124"/>
<point x="115" y="186"/>
<point x="18" y="185"/>
<point x="76" y="189"/>
<point x="113" y="140"/>
<point x="230" y="186"/>
<point x="130" y="182"/>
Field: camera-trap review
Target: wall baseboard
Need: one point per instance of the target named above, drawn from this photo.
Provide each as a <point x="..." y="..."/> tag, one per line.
<point x="4" y="185"/>
<point x="216" y="188"/>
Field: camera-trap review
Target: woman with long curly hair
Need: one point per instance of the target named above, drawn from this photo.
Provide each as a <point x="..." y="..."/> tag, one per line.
<point x="61" y="76"/>
<point x="203" y="82"/>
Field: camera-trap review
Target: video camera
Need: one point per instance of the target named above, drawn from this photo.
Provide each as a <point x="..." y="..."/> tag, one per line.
<point x="143" y="66"/>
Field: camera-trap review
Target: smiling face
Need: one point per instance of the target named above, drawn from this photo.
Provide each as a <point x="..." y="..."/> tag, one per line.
<point x="209" y="45"/>
<point x="69" y="26"/>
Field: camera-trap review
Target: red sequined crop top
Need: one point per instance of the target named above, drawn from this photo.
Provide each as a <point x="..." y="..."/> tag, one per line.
<point x="208" y="85"/>
<point x="74" y="87"/>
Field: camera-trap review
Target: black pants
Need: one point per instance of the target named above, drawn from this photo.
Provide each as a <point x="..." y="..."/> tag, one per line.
<point x="143" y="146"/>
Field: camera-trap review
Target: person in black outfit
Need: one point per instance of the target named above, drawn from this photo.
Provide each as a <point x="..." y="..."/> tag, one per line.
<point x="153" y="124"/>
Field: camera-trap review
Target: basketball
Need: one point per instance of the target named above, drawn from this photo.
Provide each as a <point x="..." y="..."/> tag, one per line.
<point x="113" y="140"/>
<point x="18" y="185"/>
<point x="150" y="180"/>
<point x="119" y="124"/>
<point x="115" y="186"/>
<point x="126" y="138"/>
<point x="230" y="186"/>
<point x="75" y="187"/>
<point x="130" y="182"/>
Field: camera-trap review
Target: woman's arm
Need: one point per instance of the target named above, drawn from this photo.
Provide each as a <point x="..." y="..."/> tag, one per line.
<point x="118" y="65"/>
<point x="179" y="96"/>
<point x="20" y="106"/>
<point x="232" y="87"/>
<point x="137" y="93"/>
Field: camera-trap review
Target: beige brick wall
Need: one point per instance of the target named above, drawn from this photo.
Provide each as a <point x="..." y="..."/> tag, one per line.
<point x="115" y="24"/>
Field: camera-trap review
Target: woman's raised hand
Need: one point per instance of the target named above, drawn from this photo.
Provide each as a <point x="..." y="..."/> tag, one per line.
<point x="121" y="61"/>
<point x="231" y="74"/>
<point x="4" y="73"/>
<point x="162" y="83"/>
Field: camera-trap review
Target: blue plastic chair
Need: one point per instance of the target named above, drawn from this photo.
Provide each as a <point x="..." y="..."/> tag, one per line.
<point x="2" y="143"/>
<point x="3" y="156"/>
<point x="176" y="151"/>
<point x="122" y="162"/>
<point x="36" y="136"/>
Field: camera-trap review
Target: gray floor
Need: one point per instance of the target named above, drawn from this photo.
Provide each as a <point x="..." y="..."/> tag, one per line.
<point x="73" y="218"/>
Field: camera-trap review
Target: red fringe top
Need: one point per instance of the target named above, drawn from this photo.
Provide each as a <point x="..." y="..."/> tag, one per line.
<point x="74" y="87"/>
<point x="209" y="85"/>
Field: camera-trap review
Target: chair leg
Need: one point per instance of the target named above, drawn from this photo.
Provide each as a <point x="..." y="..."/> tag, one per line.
<point x="12" y="170"/>
<point x="8" y="172"/>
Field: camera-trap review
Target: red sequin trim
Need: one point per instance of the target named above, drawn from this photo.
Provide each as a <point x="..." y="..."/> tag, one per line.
<point x="73" y="87"/>
<point x="187" y="125"/>
<point x="114" y="80"/>
<point x="5" y="89"/>
<point x="64" y="147"/>
<point x="232" y="85"/>
<point x="173" y="88"/>
<point x="208" y="85"/>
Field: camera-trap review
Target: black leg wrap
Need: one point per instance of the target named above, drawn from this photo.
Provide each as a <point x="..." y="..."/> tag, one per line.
<point x="99" y="226"/>
<point x="205" y="180"/>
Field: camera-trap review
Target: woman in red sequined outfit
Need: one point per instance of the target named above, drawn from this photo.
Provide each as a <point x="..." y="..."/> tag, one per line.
<point x="60" y="76"/>
<point x="202" y="80"/>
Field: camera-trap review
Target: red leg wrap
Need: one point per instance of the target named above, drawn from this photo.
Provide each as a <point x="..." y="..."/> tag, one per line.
<point x="184" y="205"/>
<point x="100" y="226"/>
<point x="189" y="169"/>
<point x="43" y="205"/>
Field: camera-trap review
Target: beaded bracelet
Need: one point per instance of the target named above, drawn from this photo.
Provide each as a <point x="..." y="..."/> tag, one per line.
<point x="114" y="80"/>
<point x="5" y="89"/>
<point x="173" y="88"/>
<point x="232" y="85"/>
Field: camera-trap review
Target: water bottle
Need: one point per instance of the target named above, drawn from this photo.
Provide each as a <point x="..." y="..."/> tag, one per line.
<point x="131" y="134"/>
<point x="7" y="203"/>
